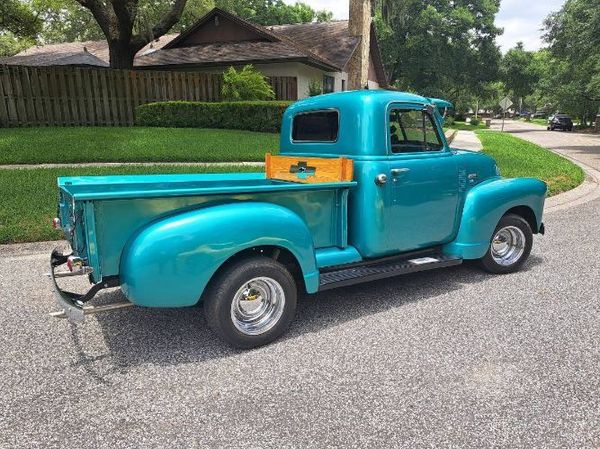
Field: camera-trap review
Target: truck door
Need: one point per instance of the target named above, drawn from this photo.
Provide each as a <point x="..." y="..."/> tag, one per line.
<point x="422" y="187"/>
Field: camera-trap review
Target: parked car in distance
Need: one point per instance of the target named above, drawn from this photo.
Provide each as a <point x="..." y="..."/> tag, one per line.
<point x="539" y="115"/>
<point x="365" y="187"/>
<point x="560" y="121"/>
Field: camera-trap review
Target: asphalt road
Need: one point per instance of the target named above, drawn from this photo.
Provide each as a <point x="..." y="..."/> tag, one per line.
<point x="450" y="358"/>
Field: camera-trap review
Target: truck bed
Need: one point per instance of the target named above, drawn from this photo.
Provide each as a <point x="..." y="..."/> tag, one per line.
<point x="111" y="209"/>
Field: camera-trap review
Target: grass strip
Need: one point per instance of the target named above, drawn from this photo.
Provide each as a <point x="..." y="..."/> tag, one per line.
<point x="138" y="144"/>
<point x="519" y="158"/>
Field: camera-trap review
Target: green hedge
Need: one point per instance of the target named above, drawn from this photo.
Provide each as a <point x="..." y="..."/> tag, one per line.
<point x="264" y="116"/>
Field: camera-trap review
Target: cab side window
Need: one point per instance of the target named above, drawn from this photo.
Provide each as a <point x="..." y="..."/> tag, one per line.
<point x="413" y="131"/>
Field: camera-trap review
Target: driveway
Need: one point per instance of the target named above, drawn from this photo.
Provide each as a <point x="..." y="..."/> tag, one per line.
<point x="450" y="358"/>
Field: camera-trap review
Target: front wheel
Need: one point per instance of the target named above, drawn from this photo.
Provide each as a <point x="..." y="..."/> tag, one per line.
<point x="510" y="245"/>
<point x="251" y="302"/>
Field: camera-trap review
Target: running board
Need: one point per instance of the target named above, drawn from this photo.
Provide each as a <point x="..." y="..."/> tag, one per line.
<point x="374" y="272"/>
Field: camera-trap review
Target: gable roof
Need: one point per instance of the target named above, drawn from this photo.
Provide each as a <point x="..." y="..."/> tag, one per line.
<point x="285" y="44"/>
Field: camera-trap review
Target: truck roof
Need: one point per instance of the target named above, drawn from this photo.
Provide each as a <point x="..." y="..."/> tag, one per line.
<point x="355" y="97"/>
<point x="362" y="129"/>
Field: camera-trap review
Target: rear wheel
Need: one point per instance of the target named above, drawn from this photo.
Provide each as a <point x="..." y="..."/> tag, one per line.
<point x="510" y="245"/>
<point x="251" y="302"/>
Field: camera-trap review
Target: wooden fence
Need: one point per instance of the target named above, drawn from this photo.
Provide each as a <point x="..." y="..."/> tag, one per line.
<point x="69" y="96"/>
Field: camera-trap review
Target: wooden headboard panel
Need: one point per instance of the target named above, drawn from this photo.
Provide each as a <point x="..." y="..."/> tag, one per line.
<point x="308" y="170"/>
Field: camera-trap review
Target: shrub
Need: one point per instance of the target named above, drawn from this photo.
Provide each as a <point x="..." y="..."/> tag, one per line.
<point x="264" y="116"/>
<point x="475" y="121"/>
<point x="315" y="87"/>
<point x="449" y="121"/>
<point x="245" y="85"/>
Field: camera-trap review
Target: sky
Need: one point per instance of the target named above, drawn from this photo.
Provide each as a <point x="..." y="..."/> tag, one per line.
<point x="521" y="19"/>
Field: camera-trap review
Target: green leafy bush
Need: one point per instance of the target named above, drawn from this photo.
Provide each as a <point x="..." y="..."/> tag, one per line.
<point x="263" y="116"/>
<point x="475" y="121"/>
<point x="315" y="87"/>
<point x="449" y="121"/>
<point x="245" y="85"/>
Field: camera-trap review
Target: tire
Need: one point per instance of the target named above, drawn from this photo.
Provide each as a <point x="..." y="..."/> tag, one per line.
<point x="235" y="318"/>
<point x="510" y="245"/>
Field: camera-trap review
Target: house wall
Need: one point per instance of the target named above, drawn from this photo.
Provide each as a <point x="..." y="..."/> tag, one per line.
<point x="302" y="72"/>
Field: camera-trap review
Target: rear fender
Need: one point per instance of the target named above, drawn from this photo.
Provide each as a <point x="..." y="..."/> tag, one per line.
<point x="169" y="262"/>
<point x="485" y="205"/>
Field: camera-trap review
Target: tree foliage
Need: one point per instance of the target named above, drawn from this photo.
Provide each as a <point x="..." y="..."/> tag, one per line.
<point x="440" y="47"/>
<point x="574" y="48"/>
<point x="68" y="21"/>
<point x="519" y="72"/>
<point x="274" y="12"/>
<point x="18" y="18"/>
<point x="246" y="84"/>
<point x="19" y="26"/>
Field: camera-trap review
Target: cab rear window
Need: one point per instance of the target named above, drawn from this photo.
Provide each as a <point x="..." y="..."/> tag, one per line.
<point x="317" y="126"/>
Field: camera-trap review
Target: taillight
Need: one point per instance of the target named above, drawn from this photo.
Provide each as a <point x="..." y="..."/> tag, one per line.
<point x="74" y="263"/>
<point x="56" y="223"/>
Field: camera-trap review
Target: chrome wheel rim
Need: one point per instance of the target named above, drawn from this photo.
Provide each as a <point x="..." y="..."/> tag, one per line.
<point x="257" y="306"/>
<point x="508" y="245"/>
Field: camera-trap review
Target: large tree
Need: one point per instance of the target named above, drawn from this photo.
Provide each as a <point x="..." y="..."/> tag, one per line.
<point x="439" y="47"/>
<point x="126" y="28"/>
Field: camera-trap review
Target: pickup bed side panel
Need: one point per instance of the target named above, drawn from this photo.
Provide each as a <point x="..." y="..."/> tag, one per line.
<point x="485" y="204"/>
<point x="169" y="262"/>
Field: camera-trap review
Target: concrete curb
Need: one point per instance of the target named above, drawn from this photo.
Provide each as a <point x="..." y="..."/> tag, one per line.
<point x="588" y="190"/>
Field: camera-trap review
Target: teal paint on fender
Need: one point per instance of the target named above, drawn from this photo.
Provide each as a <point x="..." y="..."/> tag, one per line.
<point x="485" y="204"/>
<point x="170" y="262"/>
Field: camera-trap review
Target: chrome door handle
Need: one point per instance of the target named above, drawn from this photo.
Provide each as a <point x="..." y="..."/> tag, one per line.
<point x="399" y="171"/>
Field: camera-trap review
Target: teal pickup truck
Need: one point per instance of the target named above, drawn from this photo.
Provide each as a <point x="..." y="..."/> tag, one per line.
<point x="245" y="245"/>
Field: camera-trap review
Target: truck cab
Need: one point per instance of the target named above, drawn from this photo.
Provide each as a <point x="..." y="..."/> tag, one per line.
<point x="365" y="187"/>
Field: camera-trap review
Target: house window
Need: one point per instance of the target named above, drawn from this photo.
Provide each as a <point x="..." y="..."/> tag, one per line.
<point x="317" y="126"/>
<point x="343" y="85"/>
<point x="328" y="84"/>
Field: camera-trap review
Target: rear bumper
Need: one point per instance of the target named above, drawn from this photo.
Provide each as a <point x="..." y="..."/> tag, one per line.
<point x="72" y="304"/>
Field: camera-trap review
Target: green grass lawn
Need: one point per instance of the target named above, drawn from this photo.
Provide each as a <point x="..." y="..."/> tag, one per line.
<point x="518" y="158"/>
<point x="138" y="144"/>
<point x="28" y="197"/>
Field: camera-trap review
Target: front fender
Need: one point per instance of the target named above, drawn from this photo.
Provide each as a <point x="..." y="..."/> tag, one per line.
<point x="485" y="204"/>
<point x="169" y="262"/>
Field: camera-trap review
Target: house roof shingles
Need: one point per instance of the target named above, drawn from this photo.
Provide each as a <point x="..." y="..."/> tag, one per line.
<point x="216" y="54"/>
<point x="337" y="47"/>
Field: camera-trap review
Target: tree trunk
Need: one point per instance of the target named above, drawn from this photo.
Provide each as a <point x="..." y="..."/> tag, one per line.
<point x="121" y="55"/>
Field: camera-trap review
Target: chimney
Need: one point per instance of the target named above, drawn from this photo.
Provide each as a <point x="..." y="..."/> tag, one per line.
<point x="359" y="25"/>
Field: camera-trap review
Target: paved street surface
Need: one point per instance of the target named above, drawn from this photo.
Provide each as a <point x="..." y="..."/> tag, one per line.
<point x="451" y="358"/>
